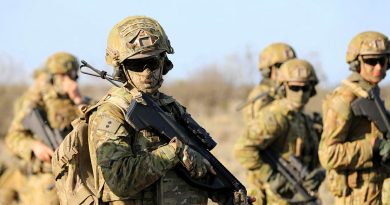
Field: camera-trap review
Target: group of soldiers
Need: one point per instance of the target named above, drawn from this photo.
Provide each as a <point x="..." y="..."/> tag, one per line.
<point x="286" y="152"/>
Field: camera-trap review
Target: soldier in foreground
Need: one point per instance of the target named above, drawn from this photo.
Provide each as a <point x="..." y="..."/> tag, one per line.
<point x="279" y="147"/>
<point x="133" y="165"/>
<point x="354" y="148"/>
<point x="270" y="60"/>
<point x="55" y="98"/>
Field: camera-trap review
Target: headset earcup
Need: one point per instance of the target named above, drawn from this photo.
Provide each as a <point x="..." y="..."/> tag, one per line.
<point x="281" y="90"/>
<point x="313" y="92"/>
<point x="118" y="74"/>
<point x="168" y="65"/>
<point x="355" y="66"/>
<point x="266" y="72"/>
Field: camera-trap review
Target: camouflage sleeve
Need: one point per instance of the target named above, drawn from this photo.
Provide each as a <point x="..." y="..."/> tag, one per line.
<point x="260" y="133"/>
<point x="125" y="172"/>
<point x="334" y="151"/>
<point x="19" y="139"/>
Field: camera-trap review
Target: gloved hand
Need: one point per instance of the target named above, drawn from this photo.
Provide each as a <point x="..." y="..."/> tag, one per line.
<point x="279" y="184"/>
<point x="241" y="198"/>
<point x="194" y="163"/>
<point x="382" y="149"/>
<point x="313" y="181"/>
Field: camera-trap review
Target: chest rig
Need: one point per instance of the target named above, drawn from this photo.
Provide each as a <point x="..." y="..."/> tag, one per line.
<point x="300" y="141"/>
<point x="170" y="189"/>
<point x="60" y="109"/>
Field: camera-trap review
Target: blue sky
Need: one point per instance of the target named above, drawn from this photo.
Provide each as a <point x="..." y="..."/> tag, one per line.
<point x="202" y="32"/>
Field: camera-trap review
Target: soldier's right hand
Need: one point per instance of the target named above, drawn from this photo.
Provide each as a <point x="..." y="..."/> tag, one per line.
<point x="194" y="163"/>
<point x="42" y="151"/>
<point x="382" y="148"/>
<point x="70" y="86"/>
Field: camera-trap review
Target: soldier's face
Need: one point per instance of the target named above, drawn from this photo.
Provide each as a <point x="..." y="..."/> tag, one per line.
<point x="145" y="74"/>
<point x="65" y="84"/>
<point x="373" y="68"/>
<point x="298" y="94"/>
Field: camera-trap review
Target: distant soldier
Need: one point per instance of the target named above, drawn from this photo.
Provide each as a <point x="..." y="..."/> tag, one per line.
<point x="271" y="58"/>
<point x="56" y="96"/>
<point x="353" y="148"/>
<point x="283" y="131"/>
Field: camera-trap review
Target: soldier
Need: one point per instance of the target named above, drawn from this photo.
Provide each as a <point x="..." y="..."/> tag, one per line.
<point x="55" y="93"/>
<point x="352" y="148"/>
<point x="282" y="129"/>
<point x="137" y="166"/>
<point x="271" y="58"/>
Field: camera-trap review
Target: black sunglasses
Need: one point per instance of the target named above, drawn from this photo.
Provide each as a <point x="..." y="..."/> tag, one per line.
<point x="297" y="88"/>
<point x="139" y="65"/>
<point x="373" y="61"/>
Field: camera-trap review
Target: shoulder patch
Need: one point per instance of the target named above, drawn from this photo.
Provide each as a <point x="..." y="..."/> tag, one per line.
<point x="108" y="124"/>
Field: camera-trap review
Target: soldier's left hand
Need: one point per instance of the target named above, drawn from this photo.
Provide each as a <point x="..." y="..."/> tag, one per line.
<point x="242" y="199"/>
<point x="314" y="179"/>
<point x="42" y="151"/>
<point x="382" y="148"/>
<point x="195" y="163"/>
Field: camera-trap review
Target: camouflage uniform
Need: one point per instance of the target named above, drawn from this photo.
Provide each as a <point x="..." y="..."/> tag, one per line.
<point x="136" y="167"/>
<point x="266" y="88"/>
<point x="345" y="148"/>
<point x="270" y="59"/>
<point x="386" y="192"/>
<point x="60" y="111"/>
<point x="354" y="176"/>
<point x="10" y="181"/>
<point x="286" y="132"/>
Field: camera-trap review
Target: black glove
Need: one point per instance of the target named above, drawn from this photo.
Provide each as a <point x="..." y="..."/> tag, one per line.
<point x="314" y="179"/>
<point x="382" y="149"/>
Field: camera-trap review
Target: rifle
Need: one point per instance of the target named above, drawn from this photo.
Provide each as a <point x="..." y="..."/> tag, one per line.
<point x="374" y="109"/>
<point x="37" y="124"/>
<point x="141" y="116"/>
<point x="262" y="96"/>
<point x="294" y="172"/>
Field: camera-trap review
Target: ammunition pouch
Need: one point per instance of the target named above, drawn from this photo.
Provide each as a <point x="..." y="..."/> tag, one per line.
<point x="337" y="183"/>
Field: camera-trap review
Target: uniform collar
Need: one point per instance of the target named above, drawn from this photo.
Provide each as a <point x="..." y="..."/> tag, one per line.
<point x="359" y="80"/>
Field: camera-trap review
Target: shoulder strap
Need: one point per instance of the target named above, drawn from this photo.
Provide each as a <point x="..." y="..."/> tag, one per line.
<point x="119" y="102"/>
<point x="358" y="91"/>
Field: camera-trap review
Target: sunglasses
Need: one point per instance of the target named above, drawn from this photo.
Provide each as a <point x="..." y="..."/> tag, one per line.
<point x="277" y="65"/>
<point x="297" y="88"/>
<point x="373" y="61"/>
<point x="140" y="65"/>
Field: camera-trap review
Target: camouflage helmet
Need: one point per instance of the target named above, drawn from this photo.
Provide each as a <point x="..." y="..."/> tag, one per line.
<point x="62" y="63"/>
<point x="274" y="54"/>
<point x="367" y="43"/>
<point x="297" y="70"/>
<point x="136" y="37"/>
